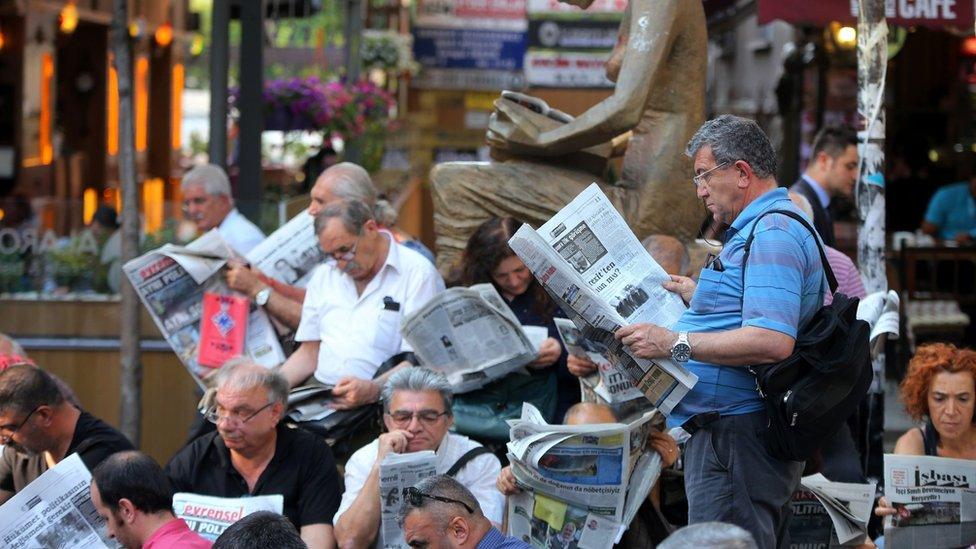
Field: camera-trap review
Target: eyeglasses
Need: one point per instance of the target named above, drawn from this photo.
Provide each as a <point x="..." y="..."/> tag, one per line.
<point x="196" y="201"/>
<point x="415" y="498"/>
<point x="214" y="417"/>
<point x="6" y="432"/>
<point x="426" y="417"/>
<point x="702" y="178"/>
<point x="343" y="254"/>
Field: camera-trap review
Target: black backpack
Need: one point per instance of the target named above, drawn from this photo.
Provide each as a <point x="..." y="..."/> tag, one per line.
<point x="813" y="391"/>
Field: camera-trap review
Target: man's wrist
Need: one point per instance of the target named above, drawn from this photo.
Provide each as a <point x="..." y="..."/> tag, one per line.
<point x="261" y="294"/>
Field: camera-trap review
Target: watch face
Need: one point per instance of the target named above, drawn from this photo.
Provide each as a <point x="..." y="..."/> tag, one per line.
<point x="681" y="352"/>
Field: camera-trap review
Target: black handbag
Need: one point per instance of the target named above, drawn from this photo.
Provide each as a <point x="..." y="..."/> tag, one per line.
<point x="814" y="390"/>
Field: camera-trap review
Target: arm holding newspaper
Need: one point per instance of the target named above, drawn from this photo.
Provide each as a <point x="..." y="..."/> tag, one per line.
<point x="741" y="347"/>
<point x="248" y="281"/>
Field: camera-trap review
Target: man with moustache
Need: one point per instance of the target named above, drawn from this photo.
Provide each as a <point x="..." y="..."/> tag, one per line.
<point x="39" y="427"/>
<point x="417" y="415"/>
<point x="207" y="202"/>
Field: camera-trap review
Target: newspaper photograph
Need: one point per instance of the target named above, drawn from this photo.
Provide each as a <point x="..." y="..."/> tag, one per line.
<point x="289" y="254"/>
<point x="930" y="490"/>
<point x="595" y="269"/>
<point x="171" y="282"/>
<point x="55" y="511"/>
<point x="397" y="473"/>
<point x="471" y="336"/>
<point x="209" y="516"/>
<point x="609" y="382"/>
<point x="593" y="476"/>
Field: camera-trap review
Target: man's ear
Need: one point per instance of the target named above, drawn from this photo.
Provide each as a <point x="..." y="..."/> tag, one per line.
<point x="126" y="511"/>
<point x="459" y="529"/>
<point x="744" y="173"/>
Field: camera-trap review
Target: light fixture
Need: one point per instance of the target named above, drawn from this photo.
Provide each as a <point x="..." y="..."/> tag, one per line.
<point x="3" y="39"/>
<point x="68" y="18"/>
<point x="164" y="34"/>
<point x="845" y="37"/>
<point x="968" y="46"/>
<point x="196" y="45"/>
<point x="137" y="28"/>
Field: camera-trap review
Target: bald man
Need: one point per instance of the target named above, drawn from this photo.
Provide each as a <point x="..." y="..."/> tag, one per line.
<point x="669" y="252"/>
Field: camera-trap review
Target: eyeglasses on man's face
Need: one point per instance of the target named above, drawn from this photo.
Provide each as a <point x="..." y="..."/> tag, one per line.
<point x="8" y="431"/>
<point x="345" y="253"/>
<point x="427" y="418"/>
<point x="415" y="498"/>
<point x="195" y="201"/>
<point x="215" y="415"/>
<point x="702" y="178"/>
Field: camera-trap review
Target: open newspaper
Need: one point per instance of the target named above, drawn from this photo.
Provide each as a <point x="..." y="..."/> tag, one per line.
<point x="880" y="311"/>
<point x="397" y="473"/>
<point x="930" y="490"/>
<point x="471" y="336"/>
<point x="289" y="254"/>
<point x="610" y="382"/>
<point x="55" y="510"/>
<point x="592" y="265"/>
<point x="830" y="513"/>
<point x="209" y="516"/>
<point x="584" y="481"/>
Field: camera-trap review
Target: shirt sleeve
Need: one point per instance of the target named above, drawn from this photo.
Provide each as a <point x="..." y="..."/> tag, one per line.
<point x="308" y="327"/>
<point x="320" y="487"/>
<point x="357" y="469"/>
<point x="424" y="285"/>
<point x="773" y="282"/>
<point x="479" y="476"/>
<point x="936" y="211"/>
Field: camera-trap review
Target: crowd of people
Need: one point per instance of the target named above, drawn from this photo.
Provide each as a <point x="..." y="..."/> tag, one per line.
<point x="347" y="330"/>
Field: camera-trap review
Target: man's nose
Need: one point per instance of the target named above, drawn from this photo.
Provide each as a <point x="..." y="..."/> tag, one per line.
<point x="701" y="191"/>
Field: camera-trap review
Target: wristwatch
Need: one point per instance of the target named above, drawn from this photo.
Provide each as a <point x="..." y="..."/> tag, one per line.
<point x="681" y="350"/>
<point x="261" y="298"/>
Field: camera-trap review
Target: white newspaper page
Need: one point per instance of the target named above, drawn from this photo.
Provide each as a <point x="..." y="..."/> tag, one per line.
<point x="171" y="281"/>
<point x="611" y="383"/>
<point x="880" y="311"/>
<point x="471" y="338"/>
<point x="397" y="473"/>
<point x="55" y="511"/>
<point x="663" y="382"/>
<point x="209" y="516"/>
<point x="289" y="254"/>
<point x="849" y="505"/>
<point x="544" y="523"/>
<point x="930" y="490"/>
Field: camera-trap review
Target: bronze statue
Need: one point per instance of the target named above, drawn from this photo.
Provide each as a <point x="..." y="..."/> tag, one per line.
<point x="543" y="160"/>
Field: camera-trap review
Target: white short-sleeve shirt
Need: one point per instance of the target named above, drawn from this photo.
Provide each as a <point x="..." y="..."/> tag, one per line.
<point x="478" y="475"/>
<point x="239" y="232"/>
<point x="360" y="332"/>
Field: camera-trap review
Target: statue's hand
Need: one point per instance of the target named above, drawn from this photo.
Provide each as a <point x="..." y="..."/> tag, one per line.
<point x="511" y="130"/>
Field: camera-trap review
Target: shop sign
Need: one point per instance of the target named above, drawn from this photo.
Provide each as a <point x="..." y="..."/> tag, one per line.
<point x="555" y="6"/>
<point x="468" y="79"/>
<point x="472" y="14"/>
<point x="926" y="13"/>
<point x="573" y="35"/>
<point x="469" y="48"/>
<point x="561" y="69"/>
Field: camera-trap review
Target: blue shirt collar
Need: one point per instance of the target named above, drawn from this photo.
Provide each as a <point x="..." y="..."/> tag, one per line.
<point x="822" y="195"/>
<point x="762" y="203"/>
<point x="493" y="539"/>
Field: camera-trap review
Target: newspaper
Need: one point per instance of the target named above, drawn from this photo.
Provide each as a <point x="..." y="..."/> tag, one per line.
<point x="880" y="311"/>
<point x="289" y="254"/>
<point x="171" y="281"/>
<point x="209" y="516"/>
<point x="930" y="490"/>
<point x="592" y="476"/>
<point x="55" y="510"/>
<point x="596" y="270"/>
<point x="610" y="382"/>
<point x="848" y="505"/>
<point x="397" y="473"/>
<point x="471" y="336"/>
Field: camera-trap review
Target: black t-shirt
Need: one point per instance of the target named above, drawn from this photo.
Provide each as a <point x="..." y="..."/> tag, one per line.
<point x="93" y="440"/>
<point x="302" y="471"/>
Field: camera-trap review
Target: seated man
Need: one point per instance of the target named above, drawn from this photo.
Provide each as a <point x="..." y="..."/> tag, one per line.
<point x="208" y="203"/>
<point x="260" y="530"/>
<point x="440" y="512"/>
<point x="369" y="283"/>
<point x="417" y="406"/>
<point x="253" y="453"/>
<point x="39" y="427"/>
<point x="951" y="214"/>
<point x="131" y="492"/>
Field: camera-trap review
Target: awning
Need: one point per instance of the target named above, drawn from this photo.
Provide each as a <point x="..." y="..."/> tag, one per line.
<point x="921" y="13"/>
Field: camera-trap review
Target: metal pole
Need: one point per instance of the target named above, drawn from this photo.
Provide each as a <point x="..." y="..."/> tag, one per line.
<point x="130" y="413"/>
<point x="252" y="109"/>
<point x="219" y="64"/>
<point x="353" y="37"/>
<point x="872" y="64"/>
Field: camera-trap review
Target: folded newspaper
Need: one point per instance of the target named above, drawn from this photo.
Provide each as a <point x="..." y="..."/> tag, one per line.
<point x="930" y="490"/>
<point x="171" y="281"/>
<point x="610" y="382"/>
<point x="581" y="483"/>
<point x="472" y="336"/>
<point x="880" y="311"/>
<point x="209" y="516"/>
<point x="847" y="508"/>
<point x="55" y="510"/>
<point x="397" y="473"/>
<point x="595" y="269"/>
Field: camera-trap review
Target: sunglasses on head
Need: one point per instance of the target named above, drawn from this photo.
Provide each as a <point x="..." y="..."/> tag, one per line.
<point x="416" y="499"/>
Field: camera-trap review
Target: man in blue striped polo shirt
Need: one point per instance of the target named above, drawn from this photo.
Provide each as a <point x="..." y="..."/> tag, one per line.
<point x="730" y="325"/>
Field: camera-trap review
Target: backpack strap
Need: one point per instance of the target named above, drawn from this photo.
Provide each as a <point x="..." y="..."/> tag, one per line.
<point x="831" y="280"/>
<point x="465" y="459"/>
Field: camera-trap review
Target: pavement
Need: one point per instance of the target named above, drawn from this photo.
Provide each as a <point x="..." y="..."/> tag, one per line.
<point x="896" y="419"/>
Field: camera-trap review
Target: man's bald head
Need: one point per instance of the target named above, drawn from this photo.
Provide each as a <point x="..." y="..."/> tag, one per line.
<point x="669" y="252"/>
<point x="587" y="413"/>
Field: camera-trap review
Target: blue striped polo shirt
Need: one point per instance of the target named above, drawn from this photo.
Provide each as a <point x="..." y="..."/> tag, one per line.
<point x="784" y="287"/>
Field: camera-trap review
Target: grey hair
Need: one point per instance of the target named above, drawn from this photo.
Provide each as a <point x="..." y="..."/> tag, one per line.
<point x="801" y="202"/>
<point x="710" y="535"/>
<point x="734" y="138"/>
<point x="211" y="177"/>
<point x="9" y="345"/>
<point x="348" y="181"/>
<point x="242" y="374"/>
<point x="441" y="511"/>
<point x="353" y="214"/>
<point x="417" y="379"/>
